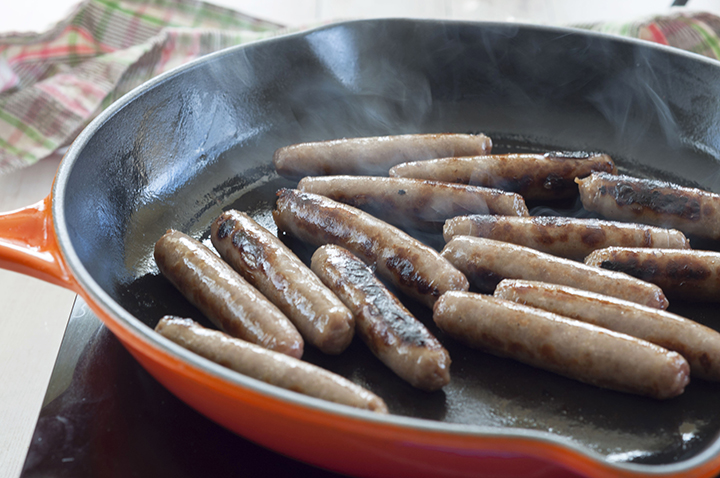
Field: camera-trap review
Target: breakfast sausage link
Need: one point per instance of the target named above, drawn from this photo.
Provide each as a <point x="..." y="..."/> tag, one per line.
<point x="700" y="345"/>
<point x="534" y="176"/>
<point x="268" y="366"/>
<point x="486" y="262"/>
<point x="416" y="269"/>
<point x="417" y="203"/>
<point x="625" y="198"/>
<point x="223" y="295"/>
<point x="268" y="264"/>
<point x="373" y="155"/>
<point x="682" y="274"/>
<point x="565" y="346"/>
<point x="572" y="238"/>
<point x="391" y="332"/>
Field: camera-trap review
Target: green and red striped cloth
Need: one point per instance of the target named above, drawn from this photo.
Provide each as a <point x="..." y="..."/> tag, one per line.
<point x="696" y="32"/>
<point x="53" y="83"/>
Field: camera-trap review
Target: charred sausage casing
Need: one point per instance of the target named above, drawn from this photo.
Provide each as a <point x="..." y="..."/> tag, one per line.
<point x="270" y="367"/>
<point x="373" y="155"/>
<point x="414" y="203"/>
<point x="562" y="345"/>
<point x="572" y="238"/>
<point x="700" y="345"/>
<point x="625" y="198"/>
<point x="689" y="275"/>
<point x="416" y="269"/>
<point x="486" y="262"/>
<point x="269" y="265"/>
<point x="223" y="295"/>
<point x="534" y="176"/>
<point x="391" y="332"/>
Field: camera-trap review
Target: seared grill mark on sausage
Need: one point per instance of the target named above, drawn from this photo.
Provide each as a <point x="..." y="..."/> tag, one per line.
<point x="516" y="184"/>
<point x="225" y="228"/>
<point x="647" y="195"/>
<point x="535" y="176"/>
<point x="660" y="203"/>
<point x="542" y="235"/>
<point x="549" y="354"/>
<point x="562" y="345"/>
<point x="573" y="238"/>
<point x="681" y="273"/>
<point x="649" y="270"/>
<point x="557" y="182"/>
<point x="417" y="270"/>
<point x="687" y="269"/>
<point x="705" y="361"/>
<point x="399" y="320"/>
<point x="593" y="237"/>
<point x="483" y="278"/>
<point x="407" y="275"/>
<point x="254" y="257"/>
<point x="631" y="267"/>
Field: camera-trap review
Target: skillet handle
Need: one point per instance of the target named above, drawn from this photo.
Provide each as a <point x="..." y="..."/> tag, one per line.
<point x="28" y="245"/>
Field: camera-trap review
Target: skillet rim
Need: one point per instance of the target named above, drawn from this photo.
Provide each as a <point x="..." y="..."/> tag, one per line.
<point x="94" y="293"/>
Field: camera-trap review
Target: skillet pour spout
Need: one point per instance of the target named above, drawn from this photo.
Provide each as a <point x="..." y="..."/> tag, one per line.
<point x="177" y="151"/>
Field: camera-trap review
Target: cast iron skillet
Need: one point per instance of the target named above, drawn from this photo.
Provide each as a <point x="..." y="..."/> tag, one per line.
<point x="180" y="149"/>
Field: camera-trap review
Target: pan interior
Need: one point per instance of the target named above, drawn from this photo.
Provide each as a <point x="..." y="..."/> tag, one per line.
<point x="201" y="141"/>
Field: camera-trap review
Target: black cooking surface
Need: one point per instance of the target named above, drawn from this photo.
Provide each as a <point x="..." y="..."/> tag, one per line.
<point x="105" y="416"/>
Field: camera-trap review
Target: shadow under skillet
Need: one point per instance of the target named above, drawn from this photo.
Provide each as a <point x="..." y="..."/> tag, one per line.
<point x="105" y="416"/>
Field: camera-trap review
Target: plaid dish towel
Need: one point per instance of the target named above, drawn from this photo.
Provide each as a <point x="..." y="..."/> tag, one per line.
<point x="52" y="84"/>
<point x="695" y="32"/>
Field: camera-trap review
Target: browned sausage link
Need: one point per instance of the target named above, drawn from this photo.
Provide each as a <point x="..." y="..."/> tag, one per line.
<point x="624" y="198"/>
<point x="573" y="238"/>
<point x="391" y="332"/>
<point x="534" y="176"/>
<point x="486" y="262"/>
<point x="699" y="345"/>
<point x="223" y="295"/>
<point x="417" y="203"/>
<point x="562" y="345"/>
<point x="682" y="274"/>
<point x="374" y="155"/>
<point x="270" y="367"/>
<point x="416" y="269"/>
<point x="268" y="264"/>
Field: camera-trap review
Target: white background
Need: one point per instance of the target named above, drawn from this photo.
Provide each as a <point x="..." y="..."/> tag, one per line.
<point x="33" y="15"/>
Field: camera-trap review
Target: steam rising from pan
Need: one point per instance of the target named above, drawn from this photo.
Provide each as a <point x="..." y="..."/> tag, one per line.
<point x="632" y="99"/>
<point x="371" y="97"/>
